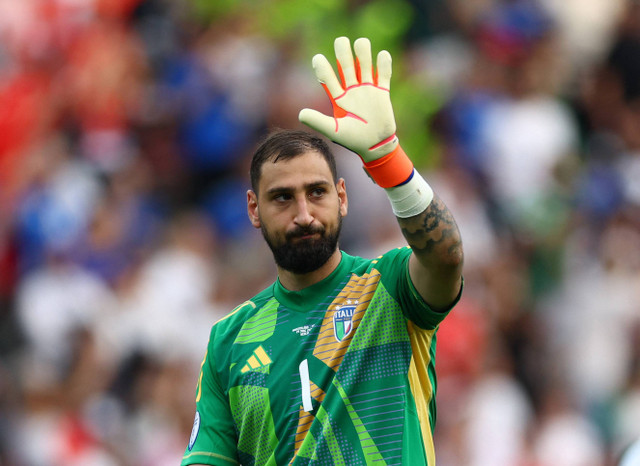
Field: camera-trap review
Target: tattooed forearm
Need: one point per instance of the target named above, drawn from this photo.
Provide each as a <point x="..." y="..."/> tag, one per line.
<point x="433" y="235"/>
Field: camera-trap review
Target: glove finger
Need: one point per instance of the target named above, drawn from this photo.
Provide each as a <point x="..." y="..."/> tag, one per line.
<point x="326" y="75"/>
<point x="384" y="69"/>
<point x="318" y="121"/>
<point x="362" y="47"/>
<point x="346" y="65"/>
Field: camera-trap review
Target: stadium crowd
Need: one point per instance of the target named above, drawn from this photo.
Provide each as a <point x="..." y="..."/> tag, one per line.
<point x="126" y="127"/>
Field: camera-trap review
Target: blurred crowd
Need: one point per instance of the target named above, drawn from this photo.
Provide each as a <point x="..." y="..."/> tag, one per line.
<point x="126" y="129"/>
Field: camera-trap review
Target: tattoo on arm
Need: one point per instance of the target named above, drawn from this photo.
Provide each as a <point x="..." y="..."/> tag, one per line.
<point x="433" y="234"/>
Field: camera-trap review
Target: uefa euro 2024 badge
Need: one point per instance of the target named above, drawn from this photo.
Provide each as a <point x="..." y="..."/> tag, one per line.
<point x="343" y="320"/>
<point x="194" y="431"/>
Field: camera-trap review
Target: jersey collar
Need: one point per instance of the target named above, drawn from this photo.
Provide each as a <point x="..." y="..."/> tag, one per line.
<point x="310" y="297"/>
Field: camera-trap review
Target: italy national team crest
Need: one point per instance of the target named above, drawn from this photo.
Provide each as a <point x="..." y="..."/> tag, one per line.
<point x="343" y="320"/>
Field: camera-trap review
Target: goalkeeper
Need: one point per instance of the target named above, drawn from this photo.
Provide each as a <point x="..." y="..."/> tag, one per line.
<point x="333" y="364"/>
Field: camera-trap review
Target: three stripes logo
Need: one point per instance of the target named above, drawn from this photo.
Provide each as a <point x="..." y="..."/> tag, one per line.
<point x="258" y="360"/>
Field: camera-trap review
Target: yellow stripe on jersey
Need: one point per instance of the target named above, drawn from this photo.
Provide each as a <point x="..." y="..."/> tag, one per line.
<point x="305" y="420"/>
<point x="357" y="291"/>
<point x="199" y="386"/>
<point x="420" y="383"/>
<point x="246" y="303"/>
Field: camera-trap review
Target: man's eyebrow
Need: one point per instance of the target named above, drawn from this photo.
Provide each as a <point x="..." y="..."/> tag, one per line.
<point x="307" y="186"/>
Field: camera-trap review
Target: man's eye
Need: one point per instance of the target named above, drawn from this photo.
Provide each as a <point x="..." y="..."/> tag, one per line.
<point x="281" y="197"/>
<point x="318" y="192"/>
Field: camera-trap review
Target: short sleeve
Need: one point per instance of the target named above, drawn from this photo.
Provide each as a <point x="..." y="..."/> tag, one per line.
<point x="213" y="438"/>
<point x="394" y="267"/>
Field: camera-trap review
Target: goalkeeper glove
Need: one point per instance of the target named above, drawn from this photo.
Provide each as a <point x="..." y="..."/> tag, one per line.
<point x="364" y="123"/>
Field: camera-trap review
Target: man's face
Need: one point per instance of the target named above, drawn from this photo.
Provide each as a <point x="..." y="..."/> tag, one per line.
<point x="299" y="210"/>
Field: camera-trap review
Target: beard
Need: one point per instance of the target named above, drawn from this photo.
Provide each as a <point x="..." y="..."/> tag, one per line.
<point x="304" y="255"/>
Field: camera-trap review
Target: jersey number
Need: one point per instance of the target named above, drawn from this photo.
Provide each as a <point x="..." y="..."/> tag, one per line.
<point x="305" y="385"/>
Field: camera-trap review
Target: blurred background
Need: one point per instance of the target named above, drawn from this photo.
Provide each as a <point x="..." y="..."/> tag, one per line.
<point x="126" y="129"/>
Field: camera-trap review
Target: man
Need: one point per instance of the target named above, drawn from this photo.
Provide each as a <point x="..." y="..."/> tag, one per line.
<point x="333" y="363"/>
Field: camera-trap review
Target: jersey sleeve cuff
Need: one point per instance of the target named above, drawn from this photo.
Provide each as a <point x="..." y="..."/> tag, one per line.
<point x="210" y="458"/>
<point x="426" y="317"/>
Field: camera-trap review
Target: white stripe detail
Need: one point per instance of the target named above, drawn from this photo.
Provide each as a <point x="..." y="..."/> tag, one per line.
<point x="305" y="384"/>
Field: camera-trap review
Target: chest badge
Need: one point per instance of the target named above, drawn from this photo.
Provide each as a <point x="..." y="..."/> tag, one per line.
<point x="343" y="320"/>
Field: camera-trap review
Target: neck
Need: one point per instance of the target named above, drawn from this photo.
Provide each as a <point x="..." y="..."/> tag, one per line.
<point x="296" y="282"/>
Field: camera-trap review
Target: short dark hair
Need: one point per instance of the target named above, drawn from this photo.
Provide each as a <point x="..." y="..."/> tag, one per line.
<point x="285" y="144"/>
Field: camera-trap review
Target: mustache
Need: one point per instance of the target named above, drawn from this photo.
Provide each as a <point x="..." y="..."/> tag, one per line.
<point x="304" y="231"/>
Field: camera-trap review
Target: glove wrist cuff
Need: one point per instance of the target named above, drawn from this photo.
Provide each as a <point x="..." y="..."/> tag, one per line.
<point x="391" y="170"/>
<point x="410" y="198"/>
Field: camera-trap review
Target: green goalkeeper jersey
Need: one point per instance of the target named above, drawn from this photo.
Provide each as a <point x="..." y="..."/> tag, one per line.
<point x="340" y="373"/>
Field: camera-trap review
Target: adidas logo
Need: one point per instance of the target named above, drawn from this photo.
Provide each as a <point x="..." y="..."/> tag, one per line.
<point x="259" y="359"/>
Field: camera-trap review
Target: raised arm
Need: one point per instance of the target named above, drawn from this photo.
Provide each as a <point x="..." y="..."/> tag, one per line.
<point x="436" y="264"/>
<point x="363" y="121"/>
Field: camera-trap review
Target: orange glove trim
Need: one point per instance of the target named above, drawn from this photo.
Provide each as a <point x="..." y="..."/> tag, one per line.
<point x="391" y="170"/>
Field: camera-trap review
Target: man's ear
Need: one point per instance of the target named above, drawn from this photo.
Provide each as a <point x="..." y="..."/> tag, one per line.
<point x="252" y="208"/>
<point x="342" y="197"/>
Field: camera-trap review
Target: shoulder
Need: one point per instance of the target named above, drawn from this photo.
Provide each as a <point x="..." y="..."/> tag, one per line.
<point x="391" y="268"/>
<point x="243" y="311"/>
<point x="389" y="259"/>
<point x="393" y="260"/>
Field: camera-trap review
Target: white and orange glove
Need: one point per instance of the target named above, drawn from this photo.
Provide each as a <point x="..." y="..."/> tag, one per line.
<point x="364" y="123"/>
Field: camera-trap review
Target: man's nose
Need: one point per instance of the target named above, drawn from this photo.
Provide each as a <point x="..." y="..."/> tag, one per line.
<point x="304" y="215"/>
